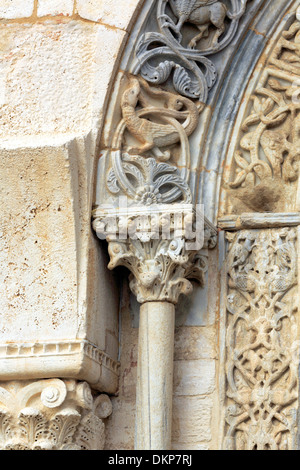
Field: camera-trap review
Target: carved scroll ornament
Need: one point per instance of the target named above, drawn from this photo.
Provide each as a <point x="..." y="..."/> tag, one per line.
<point x="189" y="31"/>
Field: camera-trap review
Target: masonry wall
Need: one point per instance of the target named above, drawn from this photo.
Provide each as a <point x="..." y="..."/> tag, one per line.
<point x="58" y="61"/>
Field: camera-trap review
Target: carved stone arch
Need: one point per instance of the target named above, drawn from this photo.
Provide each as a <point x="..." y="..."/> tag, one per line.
<point x="158" y="68"/>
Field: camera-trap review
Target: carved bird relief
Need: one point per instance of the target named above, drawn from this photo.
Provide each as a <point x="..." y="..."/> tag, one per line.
<point x="152" y="134"/>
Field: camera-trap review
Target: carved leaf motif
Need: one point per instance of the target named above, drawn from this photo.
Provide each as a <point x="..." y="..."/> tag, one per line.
<point x="6" y="432"/>
<point x="184" y="85"/>
<point x="63" y="426"/>
<point x="134" y="171"/>
<point x="32" y="425"/>
<point x="112" y="182"/>
<point x="174" y="180"/>
<point x="158" y="74"/>
<point x="91" y="433"/>
<point x="161" y="168"/>
<point x="160" y="269"/>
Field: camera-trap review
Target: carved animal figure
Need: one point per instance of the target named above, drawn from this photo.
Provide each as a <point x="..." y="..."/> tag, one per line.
<point x="202" y="13"/>
<point x="153" y="135"/>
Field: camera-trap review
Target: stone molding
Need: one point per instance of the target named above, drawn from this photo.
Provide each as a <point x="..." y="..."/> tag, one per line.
<point x="78" y="359"/>
<point x="259" y="220"/>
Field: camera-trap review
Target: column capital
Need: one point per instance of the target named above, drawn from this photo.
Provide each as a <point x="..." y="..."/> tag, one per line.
<point x="51" y="414"/>
<point x="163" y="248"/>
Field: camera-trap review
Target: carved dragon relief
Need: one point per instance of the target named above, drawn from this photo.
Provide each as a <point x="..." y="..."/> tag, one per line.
<point x="154" y="129"/>
<point x="154" y="135"/>
<point x="262" y="341"/>
<point x="266" y="159"/>
<point x="188" y="32"/>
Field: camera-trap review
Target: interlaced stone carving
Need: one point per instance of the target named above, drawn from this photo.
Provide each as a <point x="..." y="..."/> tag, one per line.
<point x="262" y="340"/>
<point x="266" y="159"/>
<point x="188" y="32"/>
<point x="51" y="414"/>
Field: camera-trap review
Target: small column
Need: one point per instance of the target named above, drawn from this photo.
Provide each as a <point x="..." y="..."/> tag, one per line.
<point x="155" y="376"/>
<point x="160" y="272"/>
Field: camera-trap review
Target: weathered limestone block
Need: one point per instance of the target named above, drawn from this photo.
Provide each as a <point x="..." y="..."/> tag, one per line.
<point x="192" y="422"/>
<point x="55" y="77"/>
<point x="105" y="11"/>
<point x="55" y="7"/>
<point x="13" y="9"/>
<point x="48" y="327"/>
<point x="194" y="377"/>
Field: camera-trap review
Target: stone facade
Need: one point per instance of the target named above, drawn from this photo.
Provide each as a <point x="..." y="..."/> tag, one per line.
<point x="175" y="104"/>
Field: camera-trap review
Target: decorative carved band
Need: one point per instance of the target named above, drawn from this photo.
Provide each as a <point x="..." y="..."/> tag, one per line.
<point x="262" y="340"/>
<point x="266" y="157"/>
<point x="58" y="349"/>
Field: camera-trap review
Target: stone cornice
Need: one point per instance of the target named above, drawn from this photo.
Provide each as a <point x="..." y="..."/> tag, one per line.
<point x="78" y="359"/>
<point x="258" y="220"/>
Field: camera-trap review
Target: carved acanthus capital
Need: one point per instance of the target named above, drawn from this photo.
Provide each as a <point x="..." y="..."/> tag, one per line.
<point x="51" y="414"/>
<point x="159" y="249"/>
